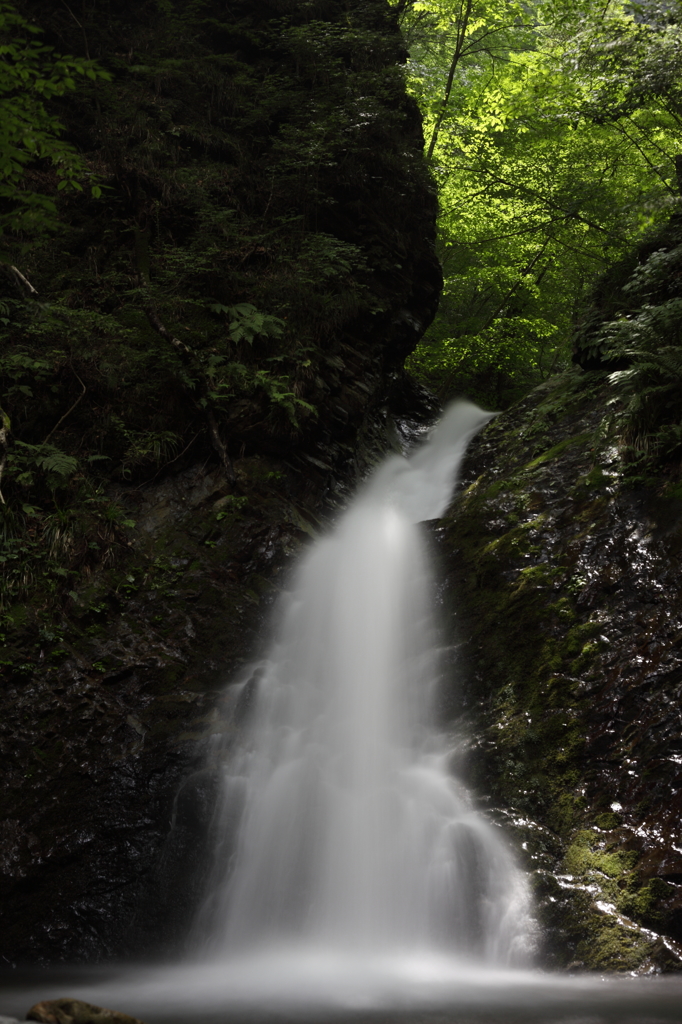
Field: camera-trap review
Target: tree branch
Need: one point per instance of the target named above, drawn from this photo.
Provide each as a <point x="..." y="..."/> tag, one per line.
<point x="24" y="281"/>
<point x="161" y="329"/>
<point x="461" y="37"/>
<point x="69" y="411"/>
<point x="85" y="38"/>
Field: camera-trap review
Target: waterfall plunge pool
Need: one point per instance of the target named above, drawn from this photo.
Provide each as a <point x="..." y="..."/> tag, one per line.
<point x="318" y="987"/>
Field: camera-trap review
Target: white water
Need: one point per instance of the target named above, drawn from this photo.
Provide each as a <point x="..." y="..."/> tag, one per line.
<point x="353" y="836"/>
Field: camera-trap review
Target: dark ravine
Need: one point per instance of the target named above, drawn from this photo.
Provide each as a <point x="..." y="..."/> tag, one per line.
<point x="150" y="571"/>
<point x="567" y="575"/>
<point x="112" y="666"/>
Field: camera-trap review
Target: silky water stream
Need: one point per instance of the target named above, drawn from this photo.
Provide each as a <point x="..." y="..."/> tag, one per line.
<point x="360" y="882"/>
<point x="353" y="836"/>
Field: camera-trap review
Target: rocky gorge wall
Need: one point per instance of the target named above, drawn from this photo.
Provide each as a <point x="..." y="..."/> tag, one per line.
<point x="563" y="555"/>
<point x="196" y="369"/>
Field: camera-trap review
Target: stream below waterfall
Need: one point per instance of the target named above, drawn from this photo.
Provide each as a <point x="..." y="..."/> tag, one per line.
<point x="359" y="882"/>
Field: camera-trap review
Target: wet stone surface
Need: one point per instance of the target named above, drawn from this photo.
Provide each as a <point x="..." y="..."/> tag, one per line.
<point x="570" y="640"/>
<point x="107" y="792"/>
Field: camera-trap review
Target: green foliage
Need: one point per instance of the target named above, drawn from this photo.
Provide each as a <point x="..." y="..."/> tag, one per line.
<point x="19" y="366"/>
<point x="495" y="367"/>
<point x="229" y="379"/>
<point x="279" y="391"/>
<point x="43" y="550"/>
<point x="32" y="74"/>
<point x="247" y="323"/>
<point x="633" y="63"/>
<point x="325" y="257"/>
<point x="143" y="447"/>
<point x="553" y="133"/>
<point x="634" y="330"/>
<point x="652" y="411"/>
<point x="24" y="460"/>
<point x="261" y="199"/>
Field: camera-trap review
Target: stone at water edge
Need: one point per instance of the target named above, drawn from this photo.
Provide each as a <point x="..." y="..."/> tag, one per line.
<point x="74" y="1011"/>
<point x="9" y="1020"/>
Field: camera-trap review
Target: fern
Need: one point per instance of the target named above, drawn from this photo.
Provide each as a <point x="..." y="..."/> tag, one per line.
<point x="651" y="388"/>
<point x="58" y="462"/>
<point x="647" y="343"/>
<point x="278" y="391"/>
<point x="46" y="457"/>
<point x="656" y="273"/>
<point x="148" y="447"/>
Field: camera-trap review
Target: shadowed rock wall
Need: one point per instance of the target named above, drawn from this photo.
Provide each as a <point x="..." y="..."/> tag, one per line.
<point x="565" y="573"/>
<point x="216" y="346"/>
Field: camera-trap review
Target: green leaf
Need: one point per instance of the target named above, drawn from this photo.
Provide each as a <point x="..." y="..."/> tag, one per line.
<point x="59" y="463"/>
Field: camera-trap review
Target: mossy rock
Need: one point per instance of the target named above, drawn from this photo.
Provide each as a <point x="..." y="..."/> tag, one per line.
<point x="557" y="571"/>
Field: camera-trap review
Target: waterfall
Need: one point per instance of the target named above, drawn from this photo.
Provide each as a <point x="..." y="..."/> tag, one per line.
<point x="352" y="834"/>
<point x="352" y="874"/>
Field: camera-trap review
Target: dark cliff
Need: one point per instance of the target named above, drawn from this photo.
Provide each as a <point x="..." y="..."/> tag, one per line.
<point x="212" y="353"/>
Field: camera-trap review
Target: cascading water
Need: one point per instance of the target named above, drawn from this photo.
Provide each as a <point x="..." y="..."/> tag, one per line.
<point x="360" y="879"/>
<point x="353" y="835"/>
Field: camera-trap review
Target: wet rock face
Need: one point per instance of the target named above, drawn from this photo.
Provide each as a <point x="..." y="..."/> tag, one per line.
<point x="106" y="798"/>
<point x="95" y="746"/>
<point x="568" y="572"/>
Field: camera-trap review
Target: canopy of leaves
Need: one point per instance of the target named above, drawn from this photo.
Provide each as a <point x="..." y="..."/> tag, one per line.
<point x="553" y="128"/>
